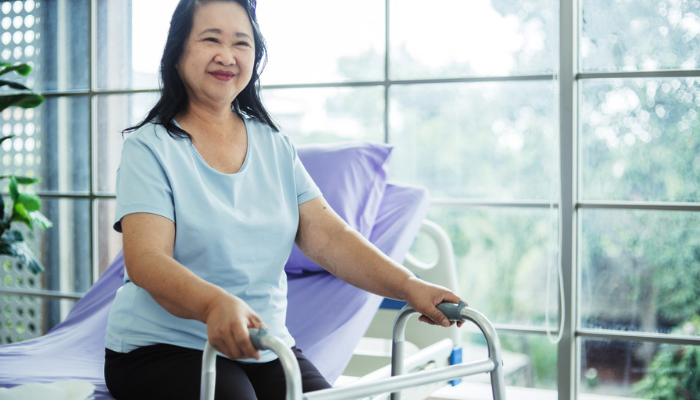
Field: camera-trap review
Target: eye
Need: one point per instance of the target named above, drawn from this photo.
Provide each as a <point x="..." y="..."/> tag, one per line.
<point x="211" y="39"/>
<point x="243" y="44"/>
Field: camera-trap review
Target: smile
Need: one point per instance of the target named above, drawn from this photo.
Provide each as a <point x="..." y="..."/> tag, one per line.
<point x="222" y="75"/>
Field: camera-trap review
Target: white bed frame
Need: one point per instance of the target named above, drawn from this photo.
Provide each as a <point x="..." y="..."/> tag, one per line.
<point x="427" y="347"/>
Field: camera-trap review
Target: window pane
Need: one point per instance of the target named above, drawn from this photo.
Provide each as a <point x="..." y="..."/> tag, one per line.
<point x="476" y="140"/>
<point x="52" y="143"/>
<point x="455" y="38"/>
<point x="640" y="270"/>
<point x="640" y="370"/>
<point x="131" y="36"/>
<point x="529" y="361"/>
<point x="53" y="36"/>
<point x="639" y="35"/>
<point x="328" y="115"/>
<point x="529" y="367"/>
<point x="639" y="140"/>
<point x="502" y="257"/>
<point x="109" y="241"/>
<point x="114" y="114"/>
<point x="322" y="41"/>
<point x="27" y="317"/>
<point x="65" y="248"/>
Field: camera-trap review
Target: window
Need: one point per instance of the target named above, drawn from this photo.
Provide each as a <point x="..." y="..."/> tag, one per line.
<point x="638" y="256"/>
<point x="499" y="107"/>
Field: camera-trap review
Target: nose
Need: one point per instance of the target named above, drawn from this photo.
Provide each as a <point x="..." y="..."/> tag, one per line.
<point x="225" y="57"/>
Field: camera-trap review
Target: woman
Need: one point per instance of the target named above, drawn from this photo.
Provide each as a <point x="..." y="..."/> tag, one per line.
<point x="210" y="198"/>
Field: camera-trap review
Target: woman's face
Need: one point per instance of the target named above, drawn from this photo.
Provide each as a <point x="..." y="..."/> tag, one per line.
<point x="217" y="61"/>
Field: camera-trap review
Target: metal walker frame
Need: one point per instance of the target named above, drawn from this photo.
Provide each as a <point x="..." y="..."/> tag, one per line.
<point x="397" y="382"/>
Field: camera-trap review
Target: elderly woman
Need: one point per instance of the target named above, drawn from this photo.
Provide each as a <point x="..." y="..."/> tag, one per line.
<point x="210" y="199"/>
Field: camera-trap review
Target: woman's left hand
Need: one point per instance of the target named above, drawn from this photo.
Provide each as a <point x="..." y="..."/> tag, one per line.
<point x="424" y="297"/>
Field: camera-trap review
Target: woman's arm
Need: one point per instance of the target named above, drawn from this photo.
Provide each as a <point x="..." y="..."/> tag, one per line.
<point x="327" y="240"/>
<point x="148" y="256"/>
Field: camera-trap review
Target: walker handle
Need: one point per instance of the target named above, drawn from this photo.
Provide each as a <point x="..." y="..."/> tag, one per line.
<point x="452" y="311"/>
<point x="262" y="340"/>
<point x="256" y="335"/>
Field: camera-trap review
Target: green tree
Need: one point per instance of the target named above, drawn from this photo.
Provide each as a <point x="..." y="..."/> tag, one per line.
<point x="674" y="371"/>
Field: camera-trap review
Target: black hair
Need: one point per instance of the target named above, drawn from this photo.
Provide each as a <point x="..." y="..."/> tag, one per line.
<point x="173" y="98"/>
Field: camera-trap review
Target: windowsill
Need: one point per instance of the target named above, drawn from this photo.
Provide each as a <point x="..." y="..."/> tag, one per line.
<point x="482" y="391"/>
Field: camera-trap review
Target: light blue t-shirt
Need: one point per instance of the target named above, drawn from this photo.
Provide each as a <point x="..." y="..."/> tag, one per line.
<point x="233" y="230"/>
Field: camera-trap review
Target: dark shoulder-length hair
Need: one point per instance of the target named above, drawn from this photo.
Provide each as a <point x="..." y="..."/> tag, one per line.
<point x="173" y="99"/>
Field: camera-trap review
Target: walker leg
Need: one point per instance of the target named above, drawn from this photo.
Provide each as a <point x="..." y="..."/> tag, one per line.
<point x="455" y="312"/>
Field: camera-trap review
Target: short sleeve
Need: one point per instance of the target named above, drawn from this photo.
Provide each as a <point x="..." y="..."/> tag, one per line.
<point x="142" y="183"/>
<point x="306" y="188"/>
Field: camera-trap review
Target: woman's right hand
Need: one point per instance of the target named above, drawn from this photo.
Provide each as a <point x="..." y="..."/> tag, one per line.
<point x="228" y="319"/>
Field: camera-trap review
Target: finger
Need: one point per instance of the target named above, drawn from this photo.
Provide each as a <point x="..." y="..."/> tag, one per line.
<point x="244" y="344"/>
<point x="439" y="318"/>
<point x="255" y="322"/>
<point x="427" y="320"/>
<point x="450" y="297"/>
<point x="233" y="351"/>
<point x="218" y="338"/>
<point x="224" y="348"/>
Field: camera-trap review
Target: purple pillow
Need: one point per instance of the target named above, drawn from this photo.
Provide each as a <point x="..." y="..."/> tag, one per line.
<point x="352" y="178"/>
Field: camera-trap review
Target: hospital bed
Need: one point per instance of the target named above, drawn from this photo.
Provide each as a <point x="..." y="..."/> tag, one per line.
<point x="353" y="180"/>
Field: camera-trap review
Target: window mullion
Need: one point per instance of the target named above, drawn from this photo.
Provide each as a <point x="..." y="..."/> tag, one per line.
<point x="566" y="358"/>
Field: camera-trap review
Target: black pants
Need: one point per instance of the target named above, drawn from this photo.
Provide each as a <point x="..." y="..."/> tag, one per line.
<point x="170" y="372"/>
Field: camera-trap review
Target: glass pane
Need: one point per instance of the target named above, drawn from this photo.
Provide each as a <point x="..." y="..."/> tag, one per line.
<point x="638" y="140"/>
<point x="322" y="41"/>
<point x="502" y="258"/>
<point x="53" y="143"/>
<point x="109" y="241"/>
<point x="454" y="38"/>
<point x="27" y="317"/>
<point x="639" y="35"/>
<point x="131" y="36"/>
<point x="530" y="368"/>
<point x="328" y="115"/>
<point x="639" y="370"/>
<point x="65" y="248"/>
<point x="476" y="140"/>
<point x="114" y="114"/>
<point x="640" y="270"/>
<point x="532" y="361"/>
<point x="52" y="36"/>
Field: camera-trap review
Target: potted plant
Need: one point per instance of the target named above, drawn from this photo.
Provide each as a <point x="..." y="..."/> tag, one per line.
<point x="22" y="207"/>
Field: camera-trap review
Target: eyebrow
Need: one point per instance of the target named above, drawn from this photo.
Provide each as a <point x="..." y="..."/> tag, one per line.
<point x="219" y="32"/>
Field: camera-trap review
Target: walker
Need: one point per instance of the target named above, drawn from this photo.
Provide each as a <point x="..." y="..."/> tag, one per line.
<point x="397" y="382"/>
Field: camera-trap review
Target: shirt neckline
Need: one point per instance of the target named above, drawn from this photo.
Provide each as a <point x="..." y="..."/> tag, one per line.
<point x="245" y="160"/>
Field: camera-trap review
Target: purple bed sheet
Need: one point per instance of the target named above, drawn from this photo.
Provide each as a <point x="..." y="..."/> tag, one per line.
<point x="74" y="349"/>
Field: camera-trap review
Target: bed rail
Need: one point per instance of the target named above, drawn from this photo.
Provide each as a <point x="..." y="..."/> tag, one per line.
<point x="397" y="382"/>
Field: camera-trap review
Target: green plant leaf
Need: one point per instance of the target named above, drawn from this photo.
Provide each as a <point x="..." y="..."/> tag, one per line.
<point x="20" y="214"/>
<point x="6" y="248"/>
<point x="13" y="85"/>
<point x="31" y="202"/>
<point x="25" y="180"/>
<point x="22" y="69"/>
<point x="24" y="100"/>
<point x="2" y="208"/>
<point x="14" y="191"/>
<point x="23" y="254"/>
<point x="6" y="138"/>
<point x="40" y="219"/>
<point x="14" y="236"/>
